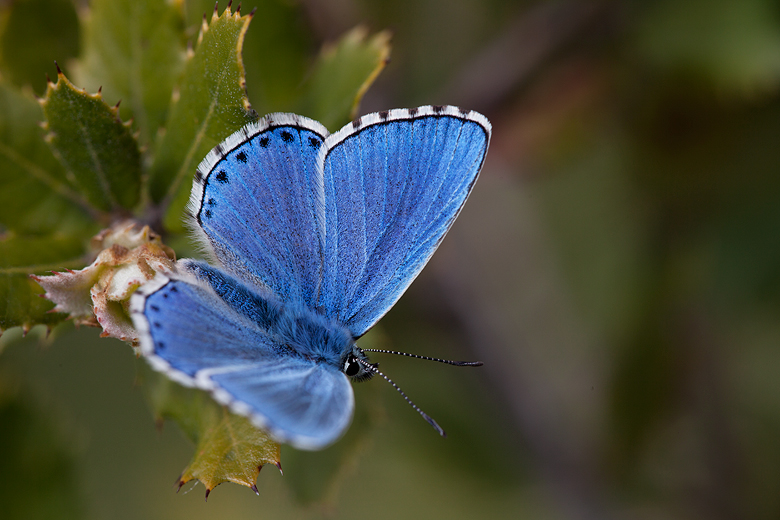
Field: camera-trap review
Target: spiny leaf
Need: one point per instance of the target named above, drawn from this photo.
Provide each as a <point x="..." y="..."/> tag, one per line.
<point x="342" y="75"/>
<point x="211" y="104"/>
<point x="36" y="196"/>
<point x="35" y="33"/>
<point x="93" y="145"/>
<point x="20" y="304"/>
<point x="228" y="448"/>
<point x="135" y="50"/>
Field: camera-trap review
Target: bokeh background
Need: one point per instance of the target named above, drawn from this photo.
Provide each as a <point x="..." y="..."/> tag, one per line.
<point x="617" y="268"/>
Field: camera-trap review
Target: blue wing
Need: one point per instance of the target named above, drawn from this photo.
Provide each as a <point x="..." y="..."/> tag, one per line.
<point x="256" y="205"/>
<point x="346" y="225"/>
<point x="198" y="339"/>
<point x="394" y="183"/>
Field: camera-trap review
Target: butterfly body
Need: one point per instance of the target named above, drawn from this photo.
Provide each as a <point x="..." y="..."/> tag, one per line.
<point x="312" y="237"/>
<point x="293" y="329"/>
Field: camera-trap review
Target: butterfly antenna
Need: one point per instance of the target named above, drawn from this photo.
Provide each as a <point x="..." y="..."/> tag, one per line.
<point x="425" y="416"/>
<point x="447" y="361"/>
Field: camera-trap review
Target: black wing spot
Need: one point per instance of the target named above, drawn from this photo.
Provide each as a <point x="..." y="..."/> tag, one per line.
<point x="207" y="213"/>
<point x="160" y="345"/>
<point x="222" y="177"/>
<point x="157" y="325"/>
<point x="155" y="308"/>
<point x="438" y="108"/>
<point x="412" y="112"/>
<point x="463" y="111"/>
<point x="241" y="156"/>
<point x="212" y="202"/>
<point x="384" y="114"/>
<point x="174" y="289"/>
<point x="287" y="137"/>
<point x="314" y="142"/>
<point x="356" y="124"/>
<point x="198" y="177"/>
<point x="264" y="142"/>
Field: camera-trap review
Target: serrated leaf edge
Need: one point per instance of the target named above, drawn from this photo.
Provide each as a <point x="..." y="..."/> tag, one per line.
<point x="184" y="170"/>
<point x="64" y="82"/>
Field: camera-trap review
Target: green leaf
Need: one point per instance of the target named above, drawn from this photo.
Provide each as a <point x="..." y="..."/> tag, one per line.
<point x="36" y="33"/>
<point x="342" y="75"/>
<point x="93" y="144"/>
<point x="134" y="49"/>
<point x="228" y="448"/>
<point x="36" y="196"/>
<point x="211" y="104"/>
<point x="20" y="304"/>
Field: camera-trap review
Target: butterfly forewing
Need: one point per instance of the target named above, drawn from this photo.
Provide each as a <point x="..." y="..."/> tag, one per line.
<point x="393" y="187"/>
<point x="256" y="205"/>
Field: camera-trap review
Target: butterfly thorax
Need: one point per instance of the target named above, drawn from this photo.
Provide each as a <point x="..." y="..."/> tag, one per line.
<point x="312" y="336"/>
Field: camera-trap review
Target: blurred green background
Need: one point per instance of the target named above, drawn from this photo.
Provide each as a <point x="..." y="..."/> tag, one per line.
<point x="617" y="268"/>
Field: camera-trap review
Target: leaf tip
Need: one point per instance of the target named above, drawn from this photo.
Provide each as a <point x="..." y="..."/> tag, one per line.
<point x="59" y="70"/>
<point x="254" y="488"/>
<point x="278" y="464"/>
<point x="208" y="491"/>
<point x="204" y="27"/>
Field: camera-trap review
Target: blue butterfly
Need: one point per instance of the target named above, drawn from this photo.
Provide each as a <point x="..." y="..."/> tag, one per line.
<point x="315" y="236"/>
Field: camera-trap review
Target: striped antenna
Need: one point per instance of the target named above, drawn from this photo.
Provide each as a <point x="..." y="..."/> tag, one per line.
<point x="372" y="368"/>
<point x="447" y="361"/>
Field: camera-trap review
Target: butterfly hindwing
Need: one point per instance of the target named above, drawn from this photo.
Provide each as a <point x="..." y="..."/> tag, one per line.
<point x="222" y="343"/>
<point x="307" y="405"/>
<point x="394" y="183"/>
<point x="254" y="205"/>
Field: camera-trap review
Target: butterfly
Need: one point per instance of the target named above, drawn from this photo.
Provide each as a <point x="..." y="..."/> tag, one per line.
<point x="311" y="238"/>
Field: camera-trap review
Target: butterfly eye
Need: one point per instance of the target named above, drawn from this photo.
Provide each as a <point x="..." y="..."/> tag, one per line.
<point x="352" y="366"/>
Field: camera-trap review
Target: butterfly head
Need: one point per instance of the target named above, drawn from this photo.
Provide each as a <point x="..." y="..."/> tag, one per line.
<point x="357" y="366"/>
